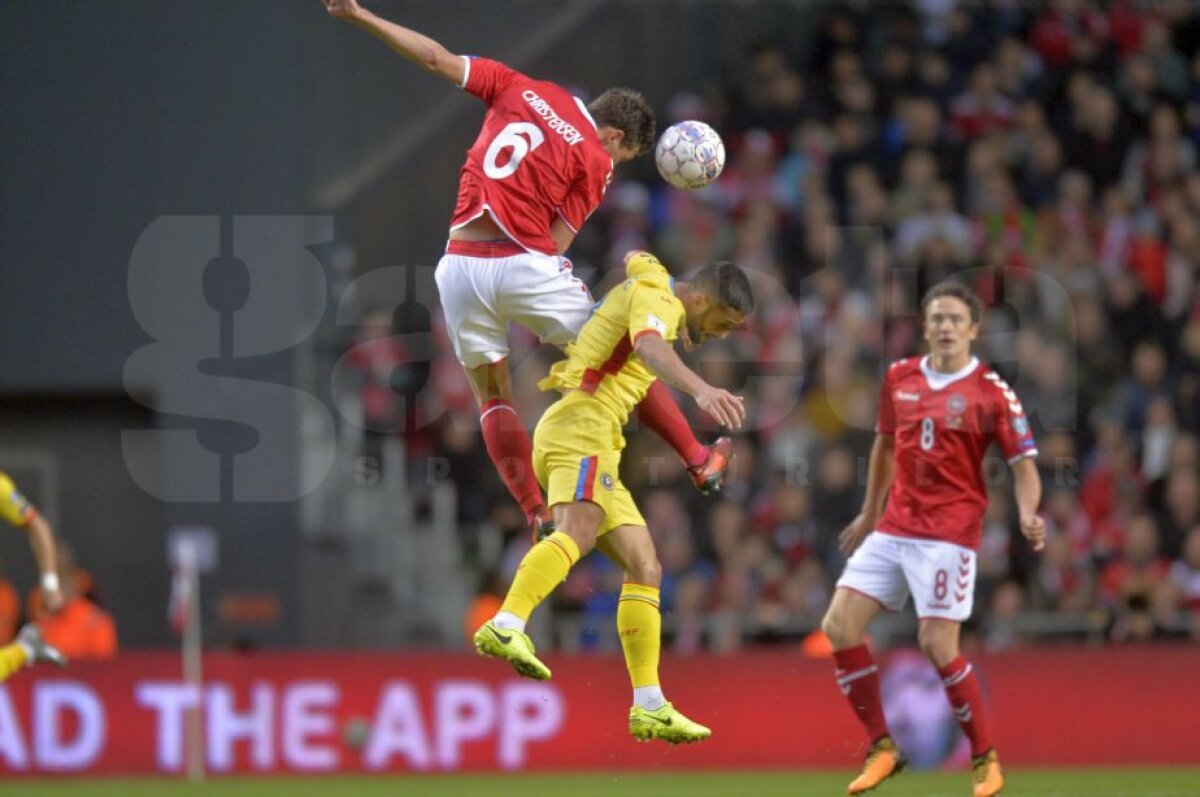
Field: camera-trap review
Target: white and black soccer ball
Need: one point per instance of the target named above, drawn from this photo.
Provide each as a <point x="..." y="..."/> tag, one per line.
<point x="689" y="155"/>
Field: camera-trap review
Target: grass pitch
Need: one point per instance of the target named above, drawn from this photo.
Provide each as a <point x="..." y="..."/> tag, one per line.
<point x="1182" y="782"/>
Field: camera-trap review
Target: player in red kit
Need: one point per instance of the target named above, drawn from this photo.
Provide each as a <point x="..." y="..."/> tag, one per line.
<point x="538" y="169"/>
<point x="937" y="416"/>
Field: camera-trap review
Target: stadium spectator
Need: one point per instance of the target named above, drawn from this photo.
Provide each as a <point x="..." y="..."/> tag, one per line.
<point x="982" y="109"/>
<point x="1185" y="576"/>
<point x="1131" y="578"/>
<point x="1180" y="510"/>
<point x="376" y="361"/>
<point x="81" y="629"/>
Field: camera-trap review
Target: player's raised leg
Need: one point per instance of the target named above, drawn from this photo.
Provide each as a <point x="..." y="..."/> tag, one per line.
<point x="13" y="657"/>
<point x="542" y="569"/>
<point x="857" y="674"/>
<point x="705" y="464"/>
<point x="470" y="278"/>
<point x="507" y="441"/>
<point x="938" y="639"/>
<point x="28" y="649"/>
<point x="639" y="623"/>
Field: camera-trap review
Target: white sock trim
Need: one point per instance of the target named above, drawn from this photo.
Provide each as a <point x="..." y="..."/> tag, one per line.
<point x="507" y="621"/>
<point x="508" y="407"/>
<point x="649" y="697"/>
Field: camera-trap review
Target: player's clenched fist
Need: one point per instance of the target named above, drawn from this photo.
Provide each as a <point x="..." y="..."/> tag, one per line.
<point x="1034" y="529"/>
<point x="728" y="409"/>
<point x="342" y="9"/>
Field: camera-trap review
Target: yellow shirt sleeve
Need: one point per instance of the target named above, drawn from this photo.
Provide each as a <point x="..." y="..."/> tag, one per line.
<point x="14" y="507"/>
<point x="653" y="306"/>
<point x="644" y="264"/>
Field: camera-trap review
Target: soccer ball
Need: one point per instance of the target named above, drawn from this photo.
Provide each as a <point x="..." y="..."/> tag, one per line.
<point x="689" y="155"/>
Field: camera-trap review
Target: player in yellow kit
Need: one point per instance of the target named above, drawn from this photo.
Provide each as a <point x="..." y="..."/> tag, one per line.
<point x="29" y="646"/>
<point x="621" y="350"/>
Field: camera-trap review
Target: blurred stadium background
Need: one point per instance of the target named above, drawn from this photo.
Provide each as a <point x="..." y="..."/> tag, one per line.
<point x="219" y="223"/>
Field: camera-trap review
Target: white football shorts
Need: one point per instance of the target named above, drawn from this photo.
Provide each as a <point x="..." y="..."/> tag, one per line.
<point x="940" y="576"/>
<point x="481" y="295"/>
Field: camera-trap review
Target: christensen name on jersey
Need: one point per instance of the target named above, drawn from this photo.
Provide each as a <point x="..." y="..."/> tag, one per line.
<point x="538" y="157"/>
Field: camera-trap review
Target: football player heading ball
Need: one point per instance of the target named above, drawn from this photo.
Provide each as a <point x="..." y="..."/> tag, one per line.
<point x="538" y="169"/>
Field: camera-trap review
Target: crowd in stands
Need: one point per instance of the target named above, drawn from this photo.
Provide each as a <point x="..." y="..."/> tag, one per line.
<point x="1046" y="155"/>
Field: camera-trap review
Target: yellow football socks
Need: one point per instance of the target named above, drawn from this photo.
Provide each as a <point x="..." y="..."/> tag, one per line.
<point x="12" y="658"/>
<point x="542" y="569"/>
<point x="640" y="625"/>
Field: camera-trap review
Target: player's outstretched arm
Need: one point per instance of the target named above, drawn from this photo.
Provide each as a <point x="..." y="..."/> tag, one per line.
<point x="879" y="478"/>
<point x="41" y="539"/>
<point x="416" y="47"/>
<point x="659" y="357"/>
<point x="1027" y="487"/>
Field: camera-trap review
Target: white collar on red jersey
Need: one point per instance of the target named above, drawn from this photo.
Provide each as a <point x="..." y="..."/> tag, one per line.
<point x="583" y="110"/>
<point x="937" y="380"/>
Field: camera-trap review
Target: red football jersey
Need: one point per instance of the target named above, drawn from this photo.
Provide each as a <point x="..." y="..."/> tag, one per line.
<point x="943" y="424"/>
<point x="538" y="155"/>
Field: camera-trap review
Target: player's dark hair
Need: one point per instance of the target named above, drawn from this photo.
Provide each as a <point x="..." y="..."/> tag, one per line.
<point x="627" y="111"/>
<point x="727" y="285"/>
<point x="955" y="290"/>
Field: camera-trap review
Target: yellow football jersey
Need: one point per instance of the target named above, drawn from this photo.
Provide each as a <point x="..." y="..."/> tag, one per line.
<point x="601" y="361"/>
<point x="14" y="507"/>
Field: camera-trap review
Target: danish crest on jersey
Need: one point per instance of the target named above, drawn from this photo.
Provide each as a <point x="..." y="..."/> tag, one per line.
<point x="607" y="481"/>
<point x="956" y="405"/>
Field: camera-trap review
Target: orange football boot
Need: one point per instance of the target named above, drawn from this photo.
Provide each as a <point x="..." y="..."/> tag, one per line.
<point x="884" y="760"/>
<point x="985" y="769"/>
<point x="709" y="476"/>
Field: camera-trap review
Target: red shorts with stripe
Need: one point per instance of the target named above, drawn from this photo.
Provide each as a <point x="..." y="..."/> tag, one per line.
<point x="576" y="458"/>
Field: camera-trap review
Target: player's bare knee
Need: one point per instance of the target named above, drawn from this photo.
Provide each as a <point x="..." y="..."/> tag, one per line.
<point x="646" y="571"/>
<point x="581" y="522"/>
<point x="490" y="381"/>
<point x="938" y="646"/>
<point x="584" y="537"/>
<point x="580" y="527"/>
<point x="834" y="627"/>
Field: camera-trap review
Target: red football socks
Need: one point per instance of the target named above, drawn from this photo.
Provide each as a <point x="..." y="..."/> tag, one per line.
<point x="966" y="698"/>
<point x="509" y="447"/>
<point x="659" y="411"/>
<point x="858" y="677"/>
